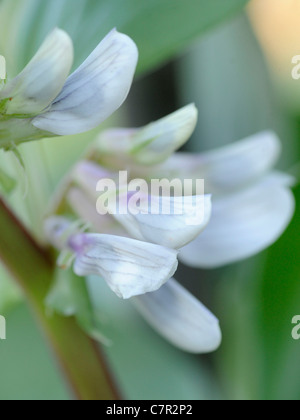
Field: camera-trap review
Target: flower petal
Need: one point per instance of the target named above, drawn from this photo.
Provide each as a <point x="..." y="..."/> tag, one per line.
<point x="87" y="174"/>
<point x="129" y="267"/>
<point x="241" y="163"/>
<point x="153" y="143"/>
<point x="41" y="81"/>
<point x="187" y="218"/>
<point x="96" y="89"/>
<point x="243" y="224"/>
<point x="168" y="221"/>
<point x="224" y="170"/>
<point x="83" y="206"/>
<point x="180" y="318"/>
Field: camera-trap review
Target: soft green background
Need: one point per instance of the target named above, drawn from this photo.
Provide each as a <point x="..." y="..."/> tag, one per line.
<point x="222" y="69"/>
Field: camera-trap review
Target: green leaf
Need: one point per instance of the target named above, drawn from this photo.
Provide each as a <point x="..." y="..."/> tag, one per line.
<point x="226" y="76"/>
<point x="280" y="302"/>
<point x="161" y="28"/>
<point x="28" y="369"/>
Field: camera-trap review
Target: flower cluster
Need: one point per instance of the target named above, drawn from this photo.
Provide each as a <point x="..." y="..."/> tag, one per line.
<point x="247" y="207"/>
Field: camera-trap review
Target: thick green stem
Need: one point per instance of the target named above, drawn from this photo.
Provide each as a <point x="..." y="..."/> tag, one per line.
<point x="33" y="269"/>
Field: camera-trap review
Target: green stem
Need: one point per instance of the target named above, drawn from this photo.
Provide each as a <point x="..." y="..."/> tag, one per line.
<point x="32" y="268"/>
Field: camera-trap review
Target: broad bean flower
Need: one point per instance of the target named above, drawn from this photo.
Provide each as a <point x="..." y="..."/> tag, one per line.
<point x="247" y="207"/>
<point x="42" y="101"/>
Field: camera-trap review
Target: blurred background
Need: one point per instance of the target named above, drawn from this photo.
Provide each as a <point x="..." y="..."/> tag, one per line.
<point x="234" y="60"/>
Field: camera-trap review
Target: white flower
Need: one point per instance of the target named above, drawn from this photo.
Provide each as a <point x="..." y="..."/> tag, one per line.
<point x="52" y="104"/>
<point x="251" y="207"/>
<point x="169" y="221"/>
<point x="172" y="310"/>
<point x="224" y="170"/>
<point x="244" y="223"/>
<point x="252" y="204"/>
<point x="37" y="86"/>
<point x="129" y="267"/>
<point x="153" y="143"/>
<point x="179" y="317"/>
<point x="174" y="230"/>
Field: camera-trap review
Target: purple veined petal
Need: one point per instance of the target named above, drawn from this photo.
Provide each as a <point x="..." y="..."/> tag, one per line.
<point x="35" y="88"/>
<point x="168" y="221"/>
<point x="180" y="318"/>
<point x="129" y="267"/>
<point x="243" y="224"/>
<point x="95" y="90"/>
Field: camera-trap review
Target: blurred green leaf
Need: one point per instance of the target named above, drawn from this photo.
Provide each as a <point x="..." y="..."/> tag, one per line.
<point x="280" y="302"/>
<point x="161" y="28"/>
<point x="227" y="78"/>
<point x="28" y="371"/>
<point x="240" y="361"/>
<point x="260" y="360"/>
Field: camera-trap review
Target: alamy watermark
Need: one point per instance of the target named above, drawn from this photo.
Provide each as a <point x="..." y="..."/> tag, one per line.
<point x="158" y="197"/>
<point x="2" y="328"/>
<point x="296" y="329"/>
<point x="2" y="68"/>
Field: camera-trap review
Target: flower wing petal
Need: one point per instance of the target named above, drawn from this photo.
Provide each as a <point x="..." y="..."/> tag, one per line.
<point x="243" y="224"/>
<point x="95" y="90"/>
<point x="129" y="267"/>
<point x="240" y="164"/>
<point x="224" y="170"/>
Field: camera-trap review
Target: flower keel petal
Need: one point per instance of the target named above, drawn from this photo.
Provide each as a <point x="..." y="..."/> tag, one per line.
<point x="180" y="318"/>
